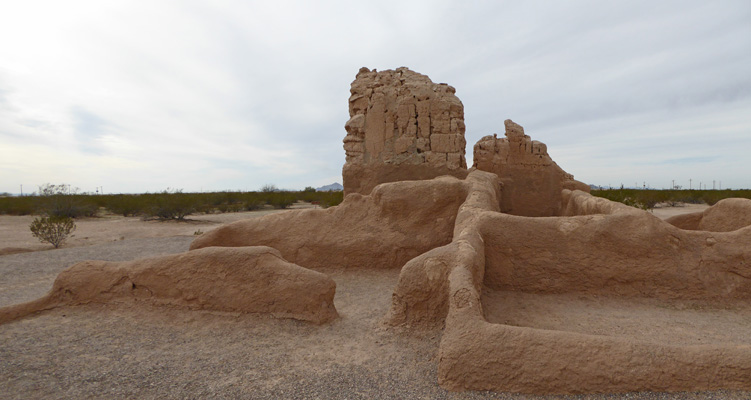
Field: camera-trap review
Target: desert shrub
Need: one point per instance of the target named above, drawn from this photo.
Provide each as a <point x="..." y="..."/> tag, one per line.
<point x="281" y="199"/>
<point x="324" y="199"/>
<point x="52" y="229"/>
<point x="713" y="196"/>
<point x="745" y="193"/>
<point x="171" y="205"/>
<point x="331" y="199"/>
<point x="230" y="207"/>
<point x="22" y="205"/>
<point x="62" y="201"/>
<point x="205" y="208"/>
<point x="647" y="199"/>
<point x="228" y="201"/>
<point x="252" y="205"/>
<point x="57" y="200"/>
<point x="125" y="204"/>
<point x="223" y="201"/>
<point x="269" y="188"/>
<point x="638" y="198"/>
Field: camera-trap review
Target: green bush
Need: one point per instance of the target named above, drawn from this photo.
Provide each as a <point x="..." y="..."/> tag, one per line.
<point x="281" y="200"/>
<point x="23" y="205"/>
<point x="125" y="204"/>
<point x="648" y="198"/>
<point x="62" y="201"/>
<point x="52" y="229"/>
<point x="172" y="205"/>
<point x="59" y="200"/>
<point x="252" y="205"/>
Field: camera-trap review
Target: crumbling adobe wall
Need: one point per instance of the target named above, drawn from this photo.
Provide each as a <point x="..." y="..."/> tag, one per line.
<point x="727" y="215"/>
<point x="402" y="127"/>
<point x="248" y="280"/>
<point x="420" y="298"/>
<point x="602" y="248"/>
<point x="477" y="355"/>
<point x="396" y="222"/>
<point x="609" y="250"/>
<point x="532" y="181"/>
<point x="621" y="254"/>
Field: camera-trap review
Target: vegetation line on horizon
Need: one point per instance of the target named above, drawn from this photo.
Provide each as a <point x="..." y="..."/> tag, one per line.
<point x="648" y="198"/>
<point x="61" y="200"/>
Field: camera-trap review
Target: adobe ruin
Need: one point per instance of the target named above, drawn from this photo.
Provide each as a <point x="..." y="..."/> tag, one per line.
<point x="402" y="127"/>
<point x="462" y="242"/>
<point x="532" y="181"/>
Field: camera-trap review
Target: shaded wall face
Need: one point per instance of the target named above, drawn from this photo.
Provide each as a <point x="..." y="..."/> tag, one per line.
<point x="532" y="181"/>
<point x="623" y="254"/>
<point x="530" y="192"/>
<point x="402" y="126"/>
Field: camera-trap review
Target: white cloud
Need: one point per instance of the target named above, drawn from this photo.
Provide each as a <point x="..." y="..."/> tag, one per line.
<point x="233" y="95"/>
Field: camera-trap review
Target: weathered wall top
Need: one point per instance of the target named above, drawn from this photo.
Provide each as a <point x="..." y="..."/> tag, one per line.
<point x="532" y="181"/>
<point x="402" y="126"/>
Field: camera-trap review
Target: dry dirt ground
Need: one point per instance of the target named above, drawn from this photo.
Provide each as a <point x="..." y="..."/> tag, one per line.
<point x="123" y="351"/>
<point x="664" y="211"/>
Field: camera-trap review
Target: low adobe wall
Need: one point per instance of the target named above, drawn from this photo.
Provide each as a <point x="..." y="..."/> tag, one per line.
<point x="477" y="355"/>
<point x="363" y="179"/>
<point x="420" y="298"/>
<point x="604" y="248"/>
<point x="622" y="254"/>
<point x="395" y="223"/>
<point x="248" y="280"/>
<point x="727" y="215"/>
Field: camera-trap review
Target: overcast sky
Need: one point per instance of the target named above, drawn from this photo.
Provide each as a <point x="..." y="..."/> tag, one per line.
<point x="137" y="96"/>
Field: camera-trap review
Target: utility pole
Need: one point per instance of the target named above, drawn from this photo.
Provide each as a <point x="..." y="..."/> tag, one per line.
<point x="689" y="184"/>
<point x="673" y="186"/>
<point x="22" y="190"/>
<point x="713" y="184"/>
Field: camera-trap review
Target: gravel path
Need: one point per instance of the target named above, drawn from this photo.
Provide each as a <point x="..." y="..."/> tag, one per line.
<point x="108" y="351"/>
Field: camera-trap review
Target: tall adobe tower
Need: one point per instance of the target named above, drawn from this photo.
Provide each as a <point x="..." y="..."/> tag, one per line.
<point x="402" y="127"/>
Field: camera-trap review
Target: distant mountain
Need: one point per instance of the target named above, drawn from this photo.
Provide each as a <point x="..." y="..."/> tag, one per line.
<point x="334" y="187"/>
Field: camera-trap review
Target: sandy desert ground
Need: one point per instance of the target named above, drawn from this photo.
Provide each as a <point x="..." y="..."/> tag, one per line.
<point x="118" y="351"/>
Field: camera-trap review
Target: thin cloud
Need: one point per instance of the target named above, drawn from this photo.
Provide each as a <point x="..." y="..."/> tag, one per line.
<point x="233" y="94"/>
